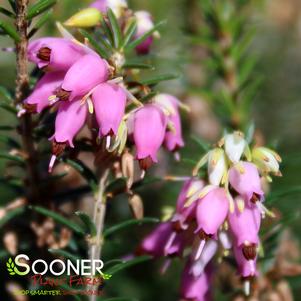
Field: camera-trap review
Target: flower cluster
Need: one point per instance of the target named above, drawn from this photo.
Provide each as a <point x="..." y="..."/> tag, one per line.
<point x="80" y="85"/>
<point x="222" y="210"/>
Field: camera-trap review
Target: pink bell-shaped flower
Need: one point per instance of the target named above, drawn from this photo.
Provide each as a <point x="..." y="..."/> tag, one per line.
<point x="45" y="87"/>
<point x="198" y="266"/>
<point x="149" y="130"/>
<point x="195" y="288"/>
<point x="57" y="54"/>
<point x="109" y="102"/>
<point x="245" y="225"/>
<point x="246" y="268"/>
<point x="211" y="212"/>
<point x="144" y="24"/>
<point x="84" y="75"/>
<point x="244" y="178"/>
<point x="70" y="119"/>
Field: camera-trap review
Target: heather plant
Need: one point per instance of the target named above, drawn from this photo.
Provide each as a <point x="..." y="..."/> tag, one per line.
<point x="89" y="123"/>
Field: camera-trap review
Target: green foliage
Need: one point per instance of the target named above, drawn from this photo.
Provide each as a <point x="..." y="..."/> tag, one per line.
<point x="10" y="30"/>
<point x="129" y="223"/>
<point x="60" y="219"/>
<point x="39" y="7"/>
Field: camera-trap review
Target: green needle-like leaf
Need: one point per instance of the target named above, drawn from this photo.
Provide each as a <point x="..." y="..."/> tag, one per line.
<point x="64" y="253"/>
<point x="121" y="266"/>
<point x="11" y="215"/>
<point x="102" y="51"/>
<point x="6" y="94"/>
<point x="119" y="299"/>
<point x="157" y="79"/>
<point x="86" y="219"/>
<point x="39" y="7"/>
<point x="129" y="33"/>
<point x="135" y="65"/>
<point x="11" y="157"/>
<point x="7" y="12"/>
<point x="10" y="30"/>
<point x="141" y="39"/>
<point x="13" y="4"/>
<point x="9" y="141"/>
<point x="116" y="31"/>
<point x="41" y="22"/>
<point x="129" y="223"/>
<point x="85" y="171"/>
<point x="59" y="218"/>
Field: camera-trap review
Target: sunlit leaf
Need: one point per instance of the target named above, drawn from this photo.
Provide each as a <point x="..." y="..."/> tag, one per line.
<point x="39" y="7"/>
<point x="10" y="30"/>
<point x="141" y="39"/>
<point x="117" y="36"/>
<point x="130" y="31"/>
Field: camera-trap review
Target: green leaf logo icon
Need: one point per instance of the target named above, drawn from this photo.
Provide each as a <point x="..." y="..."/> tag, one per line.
<point x="11" y="267"/>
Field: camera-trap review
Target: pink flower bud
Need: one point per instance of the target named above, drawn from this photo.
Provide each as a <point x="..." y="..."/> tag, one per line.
<point x="244" y="178"/>
<point x="195" y="288"/>
<point x="115" y="5"/>
<point x="45" y="87"/>
<point x="245" y="225"/>
<point x="109" y="102"/>
<point x="211" y="212"/>
<point x="54" y="53"/>
<point x="70" y="119"/>
<point x="84" y="75"/>
<point x="149" y="130"/>
<point x="144" y="24"/>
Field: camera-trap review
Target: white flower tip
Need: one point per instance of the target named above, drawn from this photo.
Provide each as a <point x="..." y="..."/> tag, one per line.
<point x="51" y="163"/>
<point x="169" y="242"/>
<point x="142" y="174"/>
<point x="177" y="156"/>
<point x="247" y="287"/>
<point x="21" y="113"/>
<point x="108" y="141"/>
<point x="165" y="266"/>
<point x="200" y="249"/>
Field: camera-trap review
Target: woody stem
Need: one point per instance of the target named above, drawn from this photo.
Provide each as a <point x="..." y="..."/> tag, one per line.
<point x="21" y="92"/>
<point x="98" y="219"/>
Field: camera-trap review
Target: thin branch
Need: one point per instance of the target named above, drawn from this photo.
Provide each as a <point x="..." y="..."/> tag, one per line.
<point x="98" y="219"/>
<point x="21" y="92"/>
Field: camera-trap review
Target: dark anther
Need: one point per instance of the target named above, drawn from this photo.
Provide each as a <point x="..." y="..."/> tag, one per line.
<point x="44" y="54"/>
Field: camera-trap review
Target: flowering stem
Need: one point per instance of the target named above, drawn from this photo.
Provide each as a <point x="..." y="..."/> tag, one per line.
<point x="21" y="91"/>
<point x="98" y="219"/>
